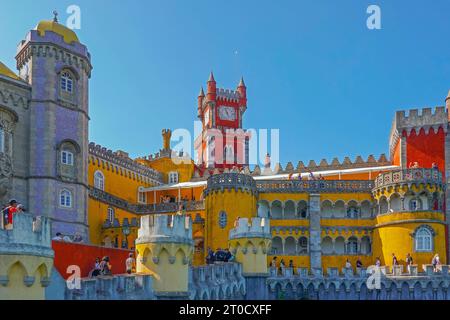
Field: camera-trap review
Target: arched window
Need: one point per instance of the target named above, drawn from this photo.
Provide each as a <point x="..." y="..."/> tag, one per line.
<point x="303" y="245"/>
<point x="173" y="177"/>
<point x="111" y="215"/>
<point x="352" y="245"/>
<point x="65" y="198"/>
<point x="424" y="239"/>
<point x="66" y="82"/>
<point x="142" y="195"/>
<point x="415" y="204"/>
<point x="352" y="212"/>
<point x="99" y="180"/>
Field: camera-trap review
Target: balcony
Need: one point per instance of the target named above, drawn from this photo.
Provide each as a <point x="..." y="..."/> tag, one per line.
<point x="409" y="176"/>
<point x="117" y="202"/>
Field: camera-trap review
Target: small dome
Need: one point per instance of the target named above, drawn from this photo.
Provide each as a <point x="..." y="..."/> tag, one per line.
<point x="47" y="25"/>
<point x="5" y="71"/>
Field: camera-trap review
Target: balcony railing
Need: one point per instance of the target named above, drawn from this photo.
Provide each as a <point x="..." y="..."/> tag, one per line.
<point x="418" y="175"/>
<point x="145" y="208"/>
<point x="319" y="186"/>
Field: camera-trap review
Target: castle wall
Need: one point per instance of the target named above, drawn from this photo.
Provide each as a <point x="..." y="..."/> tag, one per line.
<point x="84" y="256"/>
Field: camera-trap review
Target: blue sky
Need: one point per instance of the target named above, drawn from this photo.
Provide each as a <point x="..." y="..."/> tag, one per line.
<point x="312" y="68"/>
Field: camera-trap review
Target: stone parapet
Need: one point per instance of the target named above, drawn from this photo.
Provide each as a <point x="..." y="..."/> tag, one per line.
<point x="217" y="281"/>
<point x="120" y="287"/>
<point x="29" y="236"/>
<point x="257" y="228"/>
<point x="165" y="229"/>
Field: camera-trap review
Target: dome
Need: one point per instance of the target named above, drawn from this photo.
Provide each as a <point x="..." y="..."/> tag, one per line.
<point x="47" y="25"/>
<point x="5" y="71"/>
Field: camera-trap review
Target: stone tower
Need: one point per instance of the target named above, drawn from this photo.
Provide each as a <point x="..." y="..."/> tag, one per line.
<point x="250" y="243"/>
<point x="57" y="67"/>
<point x="228" y="196"/>
<point x="26" y="258"/>
<point x="164" y="249"/>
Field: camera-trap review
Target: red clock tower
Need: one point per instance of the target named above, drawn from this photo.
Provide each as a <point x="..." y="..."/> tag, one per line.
<point x="222" y="143"/>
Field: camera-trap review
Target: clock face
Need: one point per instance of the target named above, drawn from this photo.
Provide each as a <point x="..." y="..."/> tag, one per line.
<point x="227" y="113"/>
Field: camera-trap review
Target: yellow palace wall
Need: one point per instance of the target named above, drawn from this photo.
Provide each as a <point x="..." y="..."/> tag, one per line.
<point x="119" y="185"/>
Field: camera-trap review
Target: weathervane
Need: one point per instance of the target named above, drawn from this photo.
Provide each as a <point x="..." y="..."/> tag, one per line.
<point x="55" y="18"/>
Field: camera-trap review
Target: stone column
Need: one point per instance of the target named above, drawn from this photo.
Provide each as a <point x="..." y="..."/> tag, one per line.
<point x="447" y="191"/>
<point x="315" y="231"/>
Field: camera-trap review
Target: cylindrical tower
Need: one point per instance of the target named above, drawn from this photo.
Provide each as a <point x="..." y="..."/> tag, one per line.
<point x="228" y="196"/>
<point x="410" y="217"/>
<point x="249" y="243"/>
<point x="164" y="249"/>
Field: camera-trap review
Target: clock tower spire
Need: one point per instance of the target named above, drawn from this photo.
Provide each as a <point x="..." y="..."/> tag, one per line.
<point x="223" y="143"/>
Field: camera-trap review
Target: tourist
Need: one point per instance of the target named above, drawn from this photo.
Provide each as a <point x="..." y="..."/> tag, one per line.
<point x="394" y="260"/>
<point x="77" y="238"/>
<point x="210" y="257"/>
<point x="8" y="214"/>
<point x="321" y="177"/>
<point x="273" y="264"/>
<point x="96" y="271"/>
<point x="236" y="222"/>
<point x="105" y="266"/>
<point x="359" y="264"/>
<point x="59" y="237"/>
<point x="409" y="262"/>
<point x="227" y="255"/>
<point x="130" y="263"/>
<point x="378" y="262"/>
<point x="291" y="264"/>
<point x="436" y="262"/>
<point x="282" y="266"/>
<point x="219" y="255"/>
<point x="435" y="166"/>
<point x="348" y="264"/>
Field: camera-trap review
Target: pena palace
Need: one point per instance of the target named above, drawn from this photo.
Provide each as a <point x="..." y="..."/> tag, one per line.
<point x="322" y="214"/>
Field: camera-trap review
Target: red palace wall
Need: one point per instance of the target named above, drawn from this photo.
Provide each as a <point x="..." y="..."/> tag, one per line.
<point x="84" y="255"/>
<point x="426" y="148"/>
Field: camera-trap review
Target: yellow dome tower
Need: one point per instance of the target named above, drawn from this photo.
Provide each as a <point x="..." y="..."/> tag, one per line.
<point x="410" y="217"/>
<point x="164" y="249"/>
<point x="228" y="196"/>
<point x="26" y="258"/>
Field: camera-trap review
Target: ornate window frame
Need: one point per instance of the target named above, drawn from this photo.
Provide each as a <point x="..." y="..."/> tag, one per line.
<point x="99" y="180"/>
<point x="69" y="172"/>
<point x="65" y="198"/>
<point x="432" y="236"/>
<point x="173" y="177"/>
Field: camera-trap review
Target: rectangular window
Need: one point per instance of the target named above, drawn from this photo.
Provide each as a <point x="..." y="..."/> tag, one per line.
<point x="142" y="197"/>
<point x="67" y="158"/>
<point x="63" y="83"/>
<point x="69" y="85"/>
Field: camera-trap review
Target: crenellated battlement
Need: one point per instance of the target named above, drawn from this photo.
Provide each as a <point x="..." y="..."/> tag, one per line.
<point x="228" y="95"/>
<point x="29" y="236"/>
<point x="164" y="228"/>
<point x="257" y="228"/>
<point x="407" y="121"/>
<point x="122" y="159"/>
<point x="420" y="118"/>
